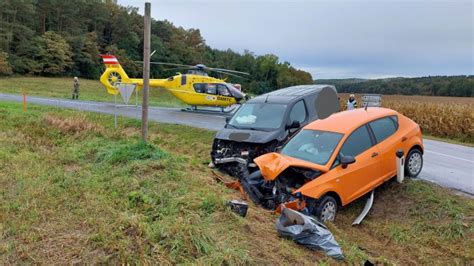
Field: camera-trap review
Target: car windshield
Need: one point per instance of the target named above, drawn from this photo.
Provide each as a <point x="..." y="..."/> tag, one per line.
<point x="259" y="116"/>
<point x="312" y="145"/>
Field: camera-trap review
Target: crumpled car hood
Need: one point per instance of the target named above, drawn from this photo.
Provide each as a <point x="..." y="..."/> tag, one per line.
<point x="273" y="164"/>
<point x="243" y="135"/>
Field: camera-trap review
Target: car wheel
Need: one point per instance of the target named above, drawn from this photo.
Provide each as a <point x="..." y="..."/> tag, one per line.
<point x="414" y="163"/>
<point x="326" y="209"/>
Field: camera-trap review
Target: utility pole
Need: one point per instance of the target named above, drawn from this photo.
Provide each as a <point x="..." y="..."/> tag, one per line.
<point x="146" y="70"/>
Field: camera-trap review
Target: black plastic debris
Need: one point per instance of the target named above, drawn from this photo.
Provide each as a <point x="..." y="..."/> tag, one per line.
<point x="368" y="263"/>
<point x="239" y="207"/>
<point x="307" y="231"/>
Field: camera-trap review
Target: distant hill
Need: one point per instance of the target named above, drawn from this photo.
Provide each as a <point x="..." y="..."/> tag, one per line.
<point x="462" y="86"/>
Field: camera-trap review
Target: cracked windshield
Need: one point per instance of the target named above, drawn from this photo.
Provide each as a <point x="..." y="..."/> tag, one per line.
<point x="259" y="116"/>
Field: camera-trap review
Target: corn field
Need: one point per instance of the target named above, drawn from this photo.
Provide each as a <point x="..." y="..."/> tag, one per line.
<point x="446" y="117"/>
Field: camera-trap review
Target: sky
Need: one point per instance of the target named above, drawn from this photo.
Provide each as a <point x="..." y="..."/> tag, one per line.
<point x="336" y="39"/>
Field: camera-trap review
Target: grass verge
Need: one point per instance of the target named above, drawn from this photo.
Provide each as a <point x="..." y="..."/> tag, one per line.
<point x="75" y="190"/>
<point x="452" y="141"/>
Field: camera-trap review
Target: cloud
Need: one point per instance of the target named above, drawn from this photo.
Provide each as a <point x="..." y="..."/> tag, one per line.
<point x="339" y="38"/>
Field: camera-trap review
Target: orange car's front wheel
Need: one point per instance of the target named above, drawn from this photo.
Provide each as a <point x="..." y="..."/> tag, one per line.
<point x="325" y="209"/>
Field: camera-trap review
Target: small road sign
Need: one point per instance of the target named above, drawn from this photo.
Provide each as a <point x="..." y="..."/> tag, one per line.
<point x="372" y="100"/>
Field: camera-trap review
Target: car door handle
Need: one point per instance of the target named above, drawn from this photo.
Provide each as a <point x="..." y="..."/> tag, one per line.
<point x="404" y="138"/>
<point x="375" y="154"/>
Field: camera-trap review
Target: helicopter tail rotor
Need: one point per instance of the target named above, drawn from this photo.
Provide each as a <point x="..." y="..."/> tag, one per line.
<point x="113" y="74"/>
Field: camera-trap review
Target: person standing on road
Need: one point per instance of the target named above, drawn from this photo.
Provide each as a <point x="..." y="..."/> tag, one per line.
<point x="351" y="103"/>
<point x="75" y="90"/>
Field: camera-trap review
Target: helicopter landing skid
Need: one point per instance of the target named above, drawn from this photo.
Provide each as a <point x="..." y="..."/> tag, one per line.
<point x="213" y="110"/>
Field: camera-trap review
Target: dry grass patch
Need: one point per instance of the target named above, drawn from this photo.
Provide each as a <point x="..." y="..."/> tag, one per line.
<point x="73" y="125"/>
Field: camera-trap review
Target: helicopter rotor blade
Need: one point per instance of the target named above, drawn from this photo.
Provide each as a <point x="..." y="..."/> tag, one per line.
<point x="230" y="74"/>
<point x="197" y="66"/>
<point x="177" y="68"/>
<point x="228" y="70"/>
<point x="165" y="64"/>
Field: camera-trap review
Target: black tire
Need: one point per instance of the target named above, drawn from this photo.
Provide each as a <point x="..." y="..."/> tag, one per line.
<point x="413" y="163"/>
<point x="325" y="209"/>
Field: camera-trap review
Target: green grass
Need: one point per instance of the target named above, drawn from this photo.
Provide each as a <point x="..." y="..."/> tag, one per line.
<point x="73" y="189"/>
<point x="452" y="141"/>
<point x="90" y="90"/>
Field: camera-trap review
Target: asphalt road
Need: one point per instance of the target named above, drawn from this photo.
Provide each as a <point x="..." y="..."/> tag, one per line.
<point x="448" y="165"/>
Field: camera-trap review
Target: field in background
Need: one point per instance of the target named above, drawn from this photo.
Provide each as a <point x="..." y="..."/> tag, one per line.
<point x="444" y="117"/>
<point x="74" y="190"/>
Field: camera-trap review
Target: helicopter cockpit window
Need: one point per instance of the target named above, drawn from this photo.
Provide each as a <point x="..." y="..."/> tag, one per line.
<point x="222" y="90"/>
<point x="200" y="87"/>
<point x="211" y="89"/>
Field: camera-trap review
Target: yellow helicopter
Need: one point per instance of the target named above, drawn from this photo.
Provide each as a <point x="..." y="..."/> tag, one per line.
<point x="195" y="88"/>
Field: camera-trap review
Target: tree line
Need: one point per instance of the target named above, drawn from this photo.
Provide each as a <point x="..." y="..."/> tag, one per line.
<point x="462" y="86"/>
<point x="65" y="38"/>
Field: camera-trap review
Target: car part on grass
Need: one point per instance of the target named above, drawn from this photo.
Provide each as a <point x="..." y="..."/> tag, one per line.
<point x="230" y="184"/>
<point x="308" y="232"/>
<point x="266" y="122"/>
<point x="239" y="207"/>
<point x="298" y="205"/>
<point x="400" y="166"/>
<point x="368" y="263"/>
<point x="367" y="207"/>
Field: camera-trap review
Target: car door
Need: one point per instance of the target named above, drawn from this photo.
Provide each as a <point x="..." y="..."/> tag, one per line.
<point x="384" y="130"/>
<point x="298" y="113"/>
<point x="360" y="177"/>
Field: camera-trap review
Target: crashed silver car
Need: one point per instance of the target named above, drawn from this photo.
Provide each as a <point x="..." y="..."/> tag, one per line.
<point x="266" y="122"/>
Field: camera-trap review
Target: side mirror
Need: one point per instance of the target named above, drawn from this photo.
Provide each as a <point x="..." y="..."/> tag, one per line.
<point x="294" y="124"/>
<point x="346" y="160"/>
<point x="227" y="119"/>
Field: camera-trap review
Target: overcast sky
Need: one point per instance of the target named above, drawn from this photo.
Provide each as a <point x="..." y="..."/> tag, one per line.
<point x="337" y="39"/>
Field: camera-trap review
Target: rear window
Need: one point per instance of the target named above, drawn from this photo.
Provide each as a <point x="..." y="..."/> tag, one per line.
<point x="357" y="142"/>
<point x="384" y="127"/>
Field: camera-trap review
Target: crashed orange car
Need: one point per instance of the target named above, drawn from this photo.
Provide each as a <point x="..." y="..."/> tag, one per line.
<point x="334" y="161"/>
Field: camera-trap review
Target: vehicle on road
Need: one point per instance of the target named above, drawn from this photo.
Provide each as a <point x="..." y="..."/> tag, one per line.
<point x="266" y="122"/>
<point x="334" y="161"/>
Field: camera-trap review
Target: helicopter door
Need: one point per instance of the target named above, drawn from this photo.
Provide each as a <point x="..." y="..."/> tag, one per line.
<point x="211" y="88"/>
<point x="222" y="90"/>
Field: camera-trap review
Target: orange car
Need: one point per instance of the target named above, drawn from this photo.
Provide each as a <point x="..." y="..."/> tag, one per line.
<point x="332" y="162"/>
